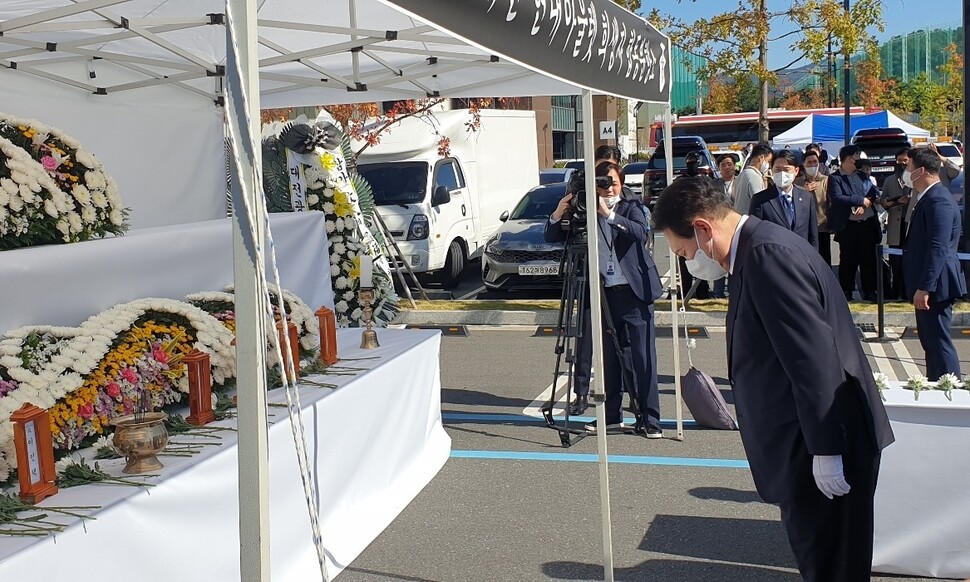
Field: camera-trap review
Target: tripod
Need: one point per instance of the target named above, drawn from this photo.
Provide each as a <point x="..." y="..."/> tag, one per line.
<point x="570" y="331"/>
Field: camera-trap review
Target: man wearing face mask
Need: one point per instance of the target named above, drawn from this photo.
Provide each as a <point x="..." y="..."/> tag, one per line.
<point x="812" y="421"/>
<point x="853" y="220"/>
<point x="630" y="286"/>
<point x="784" y="203"/>
<point x="816" y="183"/>
<point x="895" y="199"/>
<point x="930" y="264"/>
<point x="752" y="179"/>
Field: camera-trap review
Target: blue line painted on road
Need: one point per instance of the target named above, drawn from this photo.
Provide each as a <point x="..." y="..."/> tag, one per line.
<point x="483" y="417"/>
<point x="591" y="458"/>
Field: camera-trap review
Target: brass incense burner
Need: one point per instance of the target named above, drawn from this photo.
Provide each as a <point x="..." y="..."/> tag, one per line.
<point x="139" y="437"/>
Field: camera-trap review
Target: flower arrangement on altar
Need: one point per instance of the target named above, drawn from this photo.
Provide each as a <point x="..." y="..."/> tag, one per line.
<point x="305" y="167"/>
<point x="51" y="189"/>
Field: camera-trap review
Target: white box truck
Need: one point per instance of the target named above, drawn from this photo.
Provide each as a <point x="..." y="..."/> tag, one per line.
<point x="442" y="210"/>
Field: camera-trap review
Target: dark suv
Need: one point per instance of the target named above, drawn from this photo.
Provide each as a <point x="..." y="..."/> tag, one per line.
<point x="655" y="176"/>
<point x="880" y="146"/>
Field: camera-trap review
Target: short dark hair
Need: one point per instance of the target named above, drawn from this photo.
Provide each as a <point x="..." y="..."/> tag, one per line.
<point x="607" y="152"/>
<point x="787" y="155"/>
<point x="863" y="163"/>
<point x="849" y="151"/>
<point x="694" y="155"/>
<point x="811" y="154"/>
<point x="760" y="150"/>
<point x="723" y="157"/>
<point x="686" y="199"/>
<point x="603" y="168"/>
<point x="813" y="147"/>
<point x="927" y="159"/>
<point x="901" y="152"/>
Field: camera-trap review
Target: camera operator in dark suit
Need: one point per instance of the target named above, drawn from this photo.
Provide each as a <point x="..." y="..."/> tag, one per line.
<point x="631" y="284"/>
<point x="812" y="421"/>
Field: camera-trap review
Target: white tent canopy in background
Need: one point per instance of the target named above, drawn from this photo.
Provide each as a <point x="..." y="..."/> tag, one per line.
<point x="829" y="130"/>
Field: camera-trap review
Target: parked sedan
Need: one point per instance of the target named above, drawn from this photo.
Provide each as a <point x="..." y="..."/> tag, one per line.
<point x="554" y="175"/>
<point x="518" y="257"/>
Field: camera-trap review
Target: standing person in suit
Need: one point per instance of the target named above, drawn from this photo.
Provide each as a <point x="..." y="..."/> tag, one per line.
<point x="854" y="222"/>
<point x="786" y="204"/>
<point x="812" y="422"/>
<point x="813" y="180"/>
<point x="895" y="199"/>
<point x="631" y="284"/>
<point x="930" y="264"/>
<point x="583" y="366"/>
<point x="752" y="179"/>
<point x="725" y="164"/>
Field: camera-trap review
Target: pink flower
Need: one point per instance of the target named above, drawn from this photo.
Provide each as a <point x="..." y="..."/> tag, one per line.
<point x="160" y="355"/>
<point x="129" y="374"/>
<point x="50" y="163"/>
<point x="113" y="390"/>
<point x="86" y="411"/>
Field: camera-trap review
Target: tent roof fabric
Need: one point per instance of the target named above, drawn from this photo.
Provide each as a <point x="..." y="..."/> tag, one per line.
<point x="831" y="128"/>
<point x="311" y="53"/>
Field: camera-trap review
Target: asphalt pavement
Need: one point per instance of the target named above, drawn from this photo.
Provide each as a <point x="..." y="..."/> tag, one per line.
<point x="512" y="504"/>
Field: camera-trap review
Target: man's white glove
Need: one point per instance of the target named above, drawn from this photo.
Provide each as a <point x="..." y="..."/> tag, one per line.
<point x="829" y="476"/>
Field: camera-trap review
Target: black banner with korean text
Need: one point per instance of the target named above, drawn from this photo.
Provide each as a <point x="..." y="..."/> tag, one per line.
<point x="590" y="43"/>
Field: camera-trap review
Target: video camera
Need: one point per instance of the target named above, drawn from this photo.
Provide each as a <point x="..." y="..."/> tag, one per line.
<point x="574" y="220"/>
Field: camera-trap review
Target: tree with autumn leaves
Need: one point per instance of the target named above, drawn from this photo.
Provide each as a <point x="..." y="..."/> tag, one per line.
<point x="735" y="44"/>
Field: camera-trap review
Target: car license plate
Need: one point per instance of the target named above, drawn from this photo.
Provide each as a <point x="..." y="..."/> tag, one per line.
<point x="883" y="169"/>
<point x="538" y="269"/>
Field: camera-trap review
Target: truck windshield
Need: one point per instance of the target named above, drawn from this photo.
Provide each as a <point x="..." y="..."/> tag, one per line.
<point x="396" y="183"/>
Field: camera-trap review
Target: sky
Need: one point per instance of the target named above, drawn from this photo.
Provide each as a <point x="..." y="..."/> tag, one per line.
<point x="900" y="16"/>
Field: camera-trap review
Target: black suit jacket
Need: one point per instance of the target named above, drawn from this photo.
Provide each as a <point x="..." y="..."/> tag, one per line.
<point x="844" y="192"/>
<point x="796" y="366"/>
<point x="930" y="262"/>
<point x="630" y="227"/>
<point x="767" y="205"/>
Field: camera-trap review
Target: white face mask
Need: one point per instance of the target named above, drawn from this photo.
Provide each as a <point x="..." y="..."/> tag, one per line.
<point x="783" y="180"/>
<point x="704" y="267"/>
<point x="908" y="178"/>
<point x="811" y="171"/>
<point x="611" y="201"/>
<point x="763" y="168"/>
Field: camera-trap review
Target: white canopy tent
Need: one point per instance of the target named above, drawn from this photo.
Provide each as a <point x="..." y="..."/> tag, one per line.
<point x="142" y="83"/>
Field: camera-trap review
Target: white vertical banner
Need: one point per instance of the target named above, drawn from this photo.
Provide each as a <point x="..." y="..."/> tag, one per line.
<point x="294" y="169"/>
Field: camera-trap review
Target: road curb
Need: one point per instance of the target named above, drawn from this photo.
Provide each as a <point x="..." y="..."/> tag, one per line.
<point x="663" y="318"/>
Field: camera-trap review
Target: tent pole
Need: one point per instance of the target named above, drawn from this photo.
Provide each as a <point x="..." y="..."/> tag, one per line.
<point x="596" y="387"/>
<point x="254" y="538"/>
<point x="674" y="278"/>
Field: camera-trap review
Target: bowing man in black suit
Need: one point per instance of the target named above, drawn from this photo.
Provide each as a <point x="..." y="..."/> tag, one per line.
<point x="812" y="422"/>
<point x="631" y="284"/>
<point x="786" y="204"/>
<point x="931" y="269"/>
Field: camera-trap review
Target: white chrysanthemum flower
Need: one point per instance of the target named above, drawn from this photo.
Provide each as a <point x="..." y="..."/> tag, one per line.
<point x="349" y="296"/>
<point x="99" y="199"/>
<point x="357" y="313"/>
<point x="339" y="248"/>
<point x="341" y="306"/>
<point x="328" y="207"/>
<point x="50" y="208"/>
<point x="341" y="283"/>
<point x="86" y="159"/>
<point x="9" y="186"/>
<point x="116" y="217"/>
<point x="16" y="203"/>
<point x="63" y="228"/>
<point x="88" y="215"/>
<point x="334" y="270"/>
<point x="330" y="227"/>
<point x="27" y="190"/>
<point x="312" y="199"/>
<point x="64" y="462"/>
<point x="74" y="222"/>
<point x="82" y="194"/>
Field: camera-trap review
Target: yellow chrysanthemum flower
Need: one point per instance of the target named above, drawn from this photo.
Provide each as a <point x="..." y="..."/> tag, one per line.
<point x="328" y="161"/>
<point x="355" y="269"/>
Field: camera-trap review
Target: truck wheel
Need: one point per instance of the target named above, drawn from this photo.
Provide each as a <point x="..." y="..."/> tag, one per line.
<point x="454" y="265"/>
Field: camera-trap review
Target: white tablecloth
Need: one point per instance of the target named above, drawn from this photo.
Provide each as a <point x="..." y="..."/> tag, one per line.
<point x="66" y="284"/>
<point x="374" y="443"/>
<point x="922" y="513"/>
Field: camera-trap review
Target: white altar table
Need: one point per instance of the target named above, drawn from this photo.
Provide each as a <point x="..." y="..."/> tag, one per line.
<point x="374" y="443"/>
<point x="922" y="505"/>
